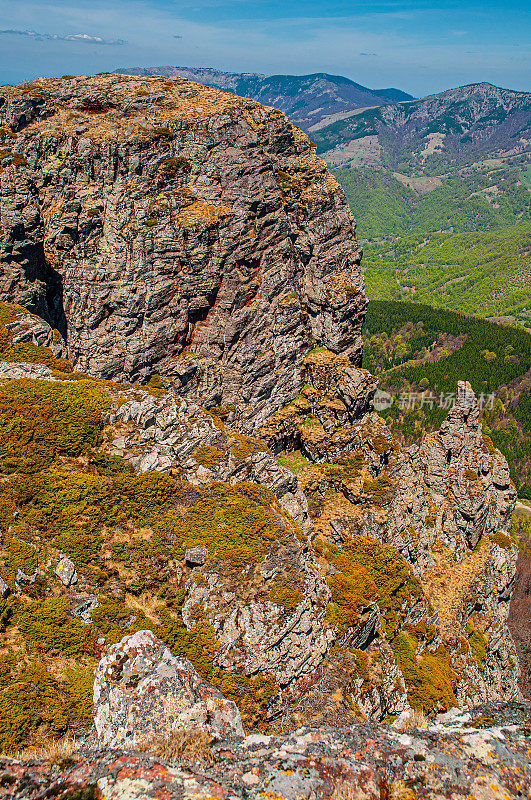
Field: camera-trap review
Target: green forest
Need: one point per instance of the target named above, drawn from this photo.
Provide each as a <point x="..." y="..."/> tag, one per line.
<point x="461" y="240"/>
<point x="418" y="350"/>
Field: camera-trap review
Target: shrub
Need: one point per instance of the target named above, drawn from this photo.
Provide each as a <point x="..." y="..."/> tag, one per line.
<point x="428" y="680"/>
<point x="30" y="700"/>
<point x="41" y="420"/>
<point x="208" y="456"/>
<point x="368" y="571"/>
<point x="174" y="165"/>
<point x="285" y="593"/>
<point x="47" y="626"/>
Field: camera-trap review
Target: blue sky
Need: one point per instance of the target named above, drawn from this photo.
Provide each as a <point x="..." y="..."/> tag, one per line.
<point x="421" y="46"/>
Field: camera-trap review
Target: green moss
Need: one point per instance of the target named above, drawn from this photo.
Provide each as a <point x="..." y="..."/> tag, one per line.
<point x="233" y="523"/>
<point x="361" y="659"/>
<point x="502" y="540"/>
<point x="19" y="552"/>
<point x="377" y="487"/>
<point x="470" y="475"/>
<point x="294" y="461"/>
<point x="367" y="571"/>
<point x="173" y="166"/>
<point x="243" y="447"/>
<point x="478" y="645"/>
<point x="428" y="678"/>
<point x="108" y="464"/>
<point x="114" y="620"/>
<point x="163" y="133"/>
<point x="156" y="382"/>
<point x="79" y="683"/>
<point x="47" y="626"/>
<point x="348" y="469"/>
<point x="30" y="700"/>
<point x="285" y="593"/>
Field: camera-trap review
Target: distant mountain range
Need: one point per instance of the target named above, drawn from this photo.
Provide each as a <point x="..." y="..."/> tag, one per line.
<point x="312" y="102"/>
<point x="440" y="187"/>
<point x="456" y="127"/>
<point x="358" y="126"/>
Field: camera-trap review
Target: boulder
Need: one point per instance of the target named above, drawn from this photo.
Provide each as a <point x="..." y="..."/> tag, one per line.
<point x="66" y="571"/>
<point x="142" y="692"/>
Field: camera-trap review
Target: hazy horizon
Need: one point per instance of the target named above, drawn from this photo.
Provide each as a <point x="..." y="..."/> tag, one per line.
<point x="419" y="46"/>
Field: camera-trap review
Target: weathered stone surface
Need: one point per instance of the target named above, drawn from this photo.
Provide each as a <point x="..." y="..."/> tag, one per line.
<point x="66" y="571"/>
<point x="196" y="555"/>
<point x="182" y="231"/>
<point x="426" y="502"/>
<point x="143" y="692"/>
<point x="21" y="369"/>
<point x="173" y="435"/>
<point x="4" y="588"/>
<point x="483" y="754"/>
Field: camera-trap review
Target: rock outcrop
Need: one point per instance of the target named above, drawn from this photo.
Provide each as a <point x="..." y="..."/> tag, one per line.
<point x="143" y="693"/>
<point x="169" y="228"/>
<point x="480" y="755"/>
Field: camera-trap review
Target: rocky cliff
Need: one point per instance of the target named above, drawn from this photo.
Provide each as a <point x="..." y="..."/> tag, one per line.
<point x="167" y="228"/>
<point x="314" y="572"/>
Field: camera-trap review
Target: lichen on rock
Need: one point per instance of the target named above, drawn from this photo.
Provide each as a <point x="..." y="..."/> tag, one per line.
<point x="143" y="692"/>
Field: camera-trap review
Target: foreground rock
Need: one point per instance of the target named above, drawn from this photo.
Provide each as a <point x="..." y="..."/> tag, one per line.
<point x="480" y="755"/>
<point x="142" y="692"/>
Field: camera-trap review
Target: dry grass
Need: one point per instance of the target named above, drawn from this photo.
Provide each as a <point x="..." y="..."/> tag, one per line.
<point x="189" y="748"/>
<point x="55" y="753"/>
<point x="417" y="719"/>
<point x="449" y="582"/>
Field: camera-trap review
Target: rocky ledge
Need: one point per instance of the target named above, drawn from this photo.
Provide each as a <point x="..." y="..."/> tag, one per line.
<point x="481" y="754"/>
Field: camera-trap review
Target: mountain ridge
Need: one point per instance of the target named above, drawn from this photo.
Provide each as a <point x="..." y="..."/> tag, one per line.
<point x="306" y="99"/>
<point x="450" y="128"/>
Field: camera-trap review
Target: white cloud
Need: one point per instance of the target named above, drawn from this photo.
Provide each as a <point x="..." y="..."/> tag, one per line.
<point x="68" y="37"/>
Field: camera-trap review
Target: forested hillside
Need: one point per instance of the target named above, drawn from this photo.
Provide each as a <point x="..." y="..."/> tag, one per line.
<point x="461" y="240"/>
<point x="421" y="352"/>
<point x="454" y="128"/>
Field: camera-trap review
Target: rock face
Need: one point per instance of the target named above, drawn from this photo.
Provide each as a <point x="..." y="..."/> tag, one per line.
<point x="173" y="435"/>
<point x="481" y="755"/>
<point x="314" y="572"/>
<point x="142" y="692"/>
<point x="372" y="581"/>
<point x="520" y="617"/>
<point x="169" y="228"/>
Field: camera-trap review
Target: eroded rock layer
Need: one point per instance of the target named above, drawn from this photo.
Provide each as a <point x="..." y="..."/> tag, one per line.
<point x="164" y="227"/>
